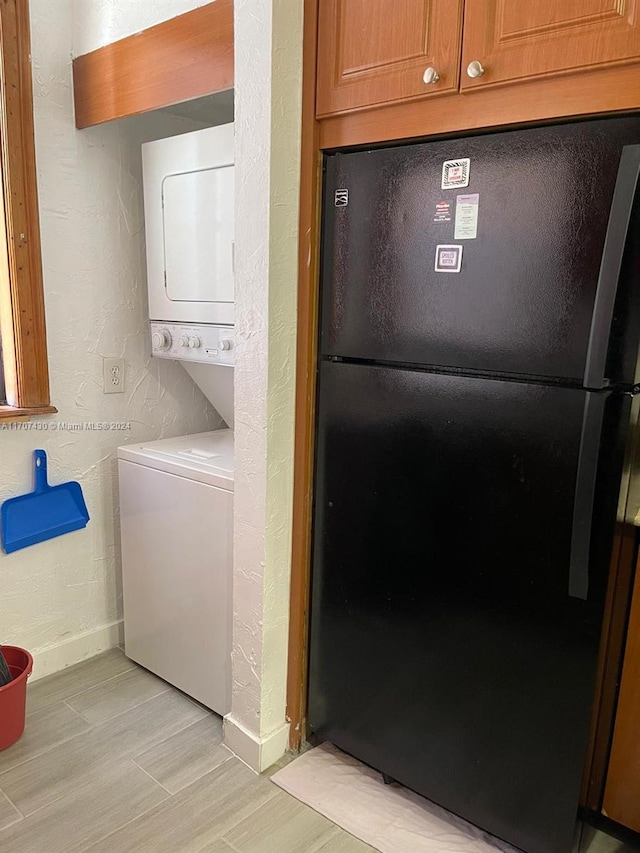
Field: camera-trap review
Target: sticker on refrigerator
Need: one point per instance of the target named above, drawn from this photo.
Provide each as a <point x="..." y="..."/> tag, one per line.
<point x="455" y="173"/>
<point x="341" y="198"/>
<point x="448" y="258"/>
<point x="442" y="212"/>
<point x="466" y="227"/>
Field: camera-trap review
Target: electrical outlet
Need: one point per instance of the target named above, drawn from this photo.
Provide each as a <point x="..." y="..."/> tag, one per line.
<point x="113" y="375"/>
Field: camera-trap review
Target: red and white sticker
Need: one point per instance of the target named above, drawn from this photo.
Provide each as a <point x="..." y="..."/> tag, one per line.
<point x="455" y="173"/>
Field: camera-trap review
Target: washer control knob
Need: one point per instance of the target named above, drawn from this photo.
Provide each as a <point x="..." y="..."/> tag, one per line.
<point x="161" y="339"/>
<point x="225" y="344"/>
<point x="183" y="341"/>
<point x="194" y="342"/>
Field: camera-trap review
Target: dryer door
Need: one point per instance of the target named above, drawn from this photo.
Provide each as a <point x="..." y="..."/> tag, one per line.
<point x="197" y="220"/>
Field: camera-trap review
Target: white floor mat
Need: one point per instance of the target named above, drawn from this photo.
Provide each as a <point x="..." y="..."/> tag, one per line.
<point x="388" y="817"/>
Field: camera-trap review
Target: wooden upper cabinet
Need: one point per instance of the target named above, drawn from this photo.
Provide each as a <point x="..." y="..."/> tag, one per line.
<point x="377" y="51"/>
<point x="523" y="39"/>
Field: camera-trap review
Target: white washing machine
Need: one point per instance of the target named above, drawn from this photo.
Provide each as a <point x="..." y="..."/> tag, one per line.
<point x="176" y="509"/>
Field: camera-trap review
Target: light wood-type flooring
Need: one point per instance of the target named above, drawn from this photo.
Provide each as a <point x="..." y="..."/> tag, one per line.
<point x="114" y="760"/>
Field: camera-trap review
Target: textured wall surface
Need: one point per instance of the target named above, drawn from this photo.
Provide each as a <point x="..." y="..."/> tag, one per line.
<point x="268" y="90"/>
<point x="99" y="22"/>
<point x="93" y="255"/>
<point x="252" y="22"/>
<point x="286" y="104"/>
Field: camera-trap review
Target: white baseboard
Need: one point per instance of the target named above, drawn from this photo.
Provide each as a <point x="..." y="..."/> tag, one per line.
<point x="78" y="648"/>
<point x="258" y="753"/>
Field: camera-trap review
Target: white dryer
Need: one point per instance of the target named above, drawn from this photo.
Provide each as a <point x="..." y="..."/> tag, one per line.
<point x="189" y="225"/>
<point x="176" y="507"/>
<point x="189" y="215"/>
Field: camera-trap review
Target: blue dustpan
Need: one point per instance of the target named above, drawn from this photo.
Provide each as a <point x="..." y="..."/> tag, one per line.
<point x="47" y="512"/>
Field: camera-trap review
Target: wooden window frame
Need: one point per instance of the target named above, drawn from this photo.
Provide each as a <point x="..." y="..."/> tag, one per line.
<point x="22" y="316"/>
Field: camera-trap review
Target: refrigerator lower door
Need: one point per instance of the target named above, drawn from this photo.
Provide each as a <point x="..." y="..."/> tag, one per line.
<point x="446" y="648"/>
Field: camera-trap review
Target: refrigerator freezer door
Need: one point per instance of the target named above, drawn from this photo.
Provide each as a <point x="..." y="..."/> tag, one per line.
<point x="620" y="265"/>
<point x="446" y="650"/>
<point x="526" y="233"/>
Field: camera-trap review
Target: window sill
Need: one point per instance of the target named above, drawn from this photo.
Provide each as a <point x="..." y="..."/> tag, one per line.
<point x="14" y="413"/>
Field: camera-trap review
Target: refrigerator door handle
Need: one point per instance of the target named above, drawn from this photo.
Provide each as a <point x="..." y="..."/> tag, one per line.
<point x="610" y="265"/>
<point x="594" y="405"/>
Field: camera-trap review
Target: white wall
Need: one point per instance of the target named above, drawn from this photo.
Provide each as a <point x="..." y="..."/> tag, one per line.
<point x="61" y="598"/>
<point x="268" y="35"/>
<point x="100" y="22"/>
<point x="268" y="50"/>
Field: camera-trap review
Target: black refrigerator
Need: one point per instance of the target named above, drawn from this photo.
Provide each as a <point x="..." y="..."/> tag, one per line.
<point x="480" y="310"/>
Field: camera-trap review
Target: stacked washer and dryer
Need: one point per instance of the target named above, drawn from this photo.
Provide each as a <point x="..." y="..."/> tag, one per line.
<point x="176" y="495"/>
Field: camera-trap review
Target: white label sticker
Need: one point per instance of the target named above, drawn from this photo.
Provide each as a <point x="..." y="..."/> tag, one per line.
<point x="466" y="227"/>
<point x="455" y="173"/>
<point x="341" y="198"/>
<point x="448" y="258"/>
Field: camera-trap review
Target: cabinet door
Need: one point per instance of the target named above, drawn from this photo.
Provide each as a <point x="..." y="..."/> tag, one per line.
<point x="622" y="792"/>
<point x="376" y="51"/>
<point x="517" y="40"/>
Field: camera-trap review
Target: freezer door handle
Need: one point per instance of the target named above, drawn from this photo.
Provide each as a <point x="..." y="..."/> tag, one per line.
<point x="594" y="406"/>
<point x="610" y="265"/>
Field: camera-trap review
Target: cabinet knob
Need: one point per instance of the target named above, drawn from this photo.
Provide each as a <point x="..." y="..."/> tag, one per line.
<point x="475" y="69"/>
<point x="430" y="75"/>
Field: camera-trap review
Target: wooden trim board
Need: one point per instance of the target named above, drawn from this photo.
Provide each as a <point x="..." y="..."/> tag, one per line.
<point x="308" y="257"/>
<point x="9" y="414"/>
<point x="587" y="93"/>
<point x="185" y="57"/>
<point x="22" y="317"/>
